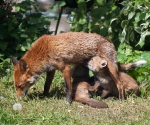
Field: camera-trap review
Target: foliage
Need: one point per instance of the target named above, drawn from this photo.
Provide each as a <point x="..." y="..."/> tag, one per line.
<point x="128" y="23"/>
<point x="127" y="54"/>
<point x="18" y="29"/>
<point x="135" y="17"/>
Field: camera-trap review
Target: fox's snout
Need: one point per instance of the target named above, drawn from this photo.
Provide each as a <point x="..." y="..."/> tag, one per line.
<point x="21" y="93"/>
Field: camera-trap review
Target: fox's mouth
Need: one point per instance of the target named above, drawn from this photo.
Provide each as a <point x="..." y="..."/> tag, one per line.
<point x="24" y="93"/>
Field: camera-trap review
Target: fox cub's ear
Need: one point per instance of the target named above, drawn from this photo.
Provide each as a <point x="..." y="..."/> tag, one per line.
<point x="14" y="60"/>
<point x="103" y="63"/>
<point x="23" y="65"/>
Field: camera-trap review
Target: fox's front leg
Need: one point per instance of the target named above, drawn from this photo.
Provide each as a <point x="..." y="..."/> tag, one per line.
<point x="105" y="93"/>
<point x="95" y="87"/>
<point x="49" y="78"/>
<point x="67" y="77"/>
<point x="115" y="76"/>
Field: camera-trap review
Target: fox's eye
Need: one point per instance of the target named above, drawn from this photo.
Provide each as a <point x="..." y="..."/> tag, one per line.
<point x="20" y="86"/>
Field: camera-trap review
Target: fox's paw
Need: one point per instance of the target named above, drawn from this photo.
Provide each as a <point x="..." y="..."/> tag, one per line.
<point x="68" y="99"/>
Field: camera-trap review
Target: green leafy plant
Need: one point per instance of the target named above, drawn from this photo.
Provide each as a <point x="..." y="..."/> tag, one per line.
<point x="127" y="54"/>
<point x="128" y="23"/>
<point x="135" y="16"/>
<point x="20" y="28"/>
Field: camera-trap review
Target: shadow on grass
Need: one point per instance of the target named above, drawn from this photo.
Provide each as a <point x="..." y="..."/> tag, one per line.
<point x="56" y="92"/>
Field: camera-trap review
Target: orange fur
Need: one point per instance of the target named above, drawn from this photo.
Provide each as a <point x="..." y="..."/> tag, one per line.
<point x="82" y="90"/>
<point x="99" y="67"/>
<point x="50" y="53"/>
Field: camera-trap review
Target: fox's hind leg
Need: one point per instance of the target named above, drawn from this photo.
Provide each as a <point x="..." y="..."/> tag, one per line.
<point x="49" y="78"/>
<point x="115" y="76"/>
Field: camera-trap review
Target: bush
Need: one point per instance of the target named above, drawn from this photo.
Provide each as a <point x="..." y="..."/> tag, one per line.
<point x="126" y="22"/>
<point x="19" y="29"/>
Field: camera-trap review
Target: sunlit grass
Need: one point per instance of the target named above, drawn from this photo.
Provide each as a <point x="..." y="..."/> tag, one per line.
<point x="53" y="110"/>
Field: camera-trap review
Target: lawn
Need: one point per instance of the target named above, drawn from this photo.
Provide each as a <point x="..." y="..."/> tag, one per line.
<point x="53" y="110"/>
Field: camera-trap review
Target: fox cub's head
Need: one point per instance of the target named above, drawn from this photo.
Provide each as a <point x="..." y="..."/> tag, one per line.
<point x="23" y="78"/>
<point x="96" y="63"/>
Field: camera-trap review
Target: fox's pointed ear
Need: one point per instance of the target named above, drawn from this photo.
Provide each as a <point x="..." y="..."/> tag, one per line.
<point x="103" y="63"/>
<point x="23" y="65"/>
<point x="14" y="60"/>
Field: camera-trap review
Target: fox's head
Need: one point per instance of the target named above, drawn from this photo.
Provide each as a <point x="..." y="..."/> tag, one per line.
<point x="96" y="63"/>
<point x="23" y="78"/>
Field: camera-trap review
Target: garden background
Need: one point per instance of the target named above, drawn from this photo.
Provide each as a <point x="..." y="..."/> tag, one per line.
<point x="125" y="22"/>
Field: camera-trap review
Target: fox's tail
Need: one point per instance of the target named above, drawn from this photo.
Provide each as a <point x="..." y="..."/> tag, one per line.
<point x="129" y="66"/>
<point x="93" y="102"/>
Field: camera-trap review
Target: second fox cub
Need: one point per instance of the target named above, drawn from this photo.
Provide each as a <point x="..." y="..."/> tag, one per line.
<point x="82" y="90"/>
<point x="99" y="67"/>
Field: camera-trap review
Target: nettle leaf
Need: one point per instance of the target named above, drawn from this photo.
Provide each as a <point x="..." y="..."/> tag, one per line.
<point x="138" y="29"/>
<point x="131" y="14"/>
<point x="142" y="39"/>
<point x="23" y="9"/>
<point x="124" y="3"/>
<point x="137" y="17"/>
<point x="17" y="8"/>
<point x="122" y="36"/>
<point x="147" y="16"/>
<point x="81" y="4"/>
<point x="132" y="36"/>
<point x="82" y="21"/>
<point x="26" y="45"/>
<point x="24" y="35"/>
<point x="142" y="16"/>
<point x="124" y="23"/>
<point x="112" y="20"/>
<point x="129" y="29"/>
<point x="101" y="2"/>
<point x="22" y="48"/>
<point x="145" y="25"/>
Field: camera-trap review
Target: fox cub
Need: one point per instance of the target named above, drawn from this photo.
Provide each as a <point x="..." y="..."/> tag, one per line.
<point x="82" y="90"/>
<point x="99" y="67"/>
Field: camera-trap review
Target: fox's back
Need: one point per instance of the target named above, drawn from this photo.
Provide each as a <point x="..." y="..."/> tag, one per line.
<point x="75" y="46"/>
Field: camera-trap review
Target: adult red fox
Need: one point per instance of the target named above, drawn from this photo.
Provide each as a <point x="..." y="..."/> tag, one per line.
<point x="82" y="90"/>
<point x="50" y="53"/>
<point x="99" y="67"/>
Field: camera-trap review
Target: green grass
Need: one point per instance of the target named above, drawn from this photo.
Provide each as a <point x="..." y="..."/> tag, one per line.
<point x="53" y="110"/>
